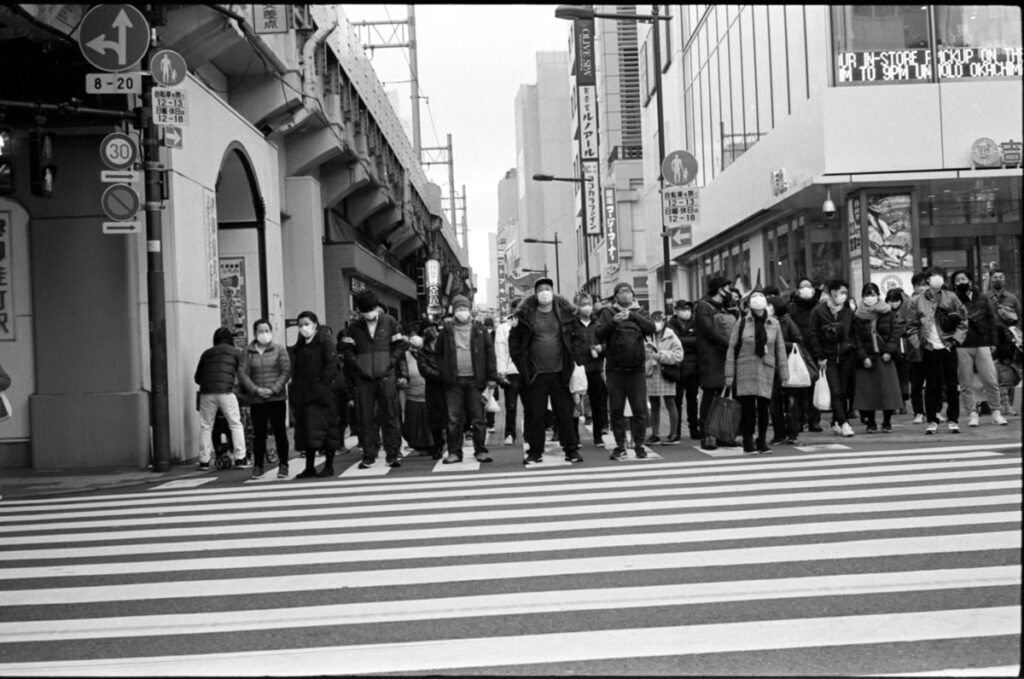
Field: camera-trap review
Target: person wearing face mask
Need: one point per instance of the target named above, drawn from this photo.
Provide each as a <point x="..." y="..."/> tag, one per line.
<point x="374" y="349"/>
<point x="756" y="353"/>
<point x="975" y="353"/>
<point x="266" y="369"/>
<point x="314" y="367"/>
<point x="216" y="373"/>
<point x="802" y="302"/>
<point x="545" y="347"/>
<point x="1009" y="317"/>
<point x="664" y="349"/>
<point x="785" y="408"/>
<point x="508" y="374"/>
<point x="416" y="428"/>
<point x="897" y="300"/>
<point x="684" y="326"/>
<point x="593" y="364"/>
<point x="831" y="342"/>
<point x="912" y="343"/>
<point x="465" y="358"/>
<point x="621" y="328"/>
<point x="939" y="333"/>
<point x="715" y="319"/>
<point x="876" y="334"/>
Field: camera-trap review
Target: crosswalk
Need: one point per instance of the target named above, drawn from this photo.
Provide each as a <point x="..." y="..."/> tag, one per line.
<point x="868" y="563"/>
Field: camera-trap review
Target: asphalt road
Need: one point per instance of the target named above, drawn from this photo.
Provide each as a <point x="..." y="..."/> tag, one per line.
<point x="893" y="558"/>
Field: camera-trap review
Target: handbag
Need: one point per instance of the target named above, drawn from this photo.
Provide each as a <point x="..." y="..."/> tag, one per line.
<point x="798" y="373"/>
<point x="5" y="407"/>
<point x="578" y="381"/>
<point x="723" y="421"/>
<point x="822" y="394"/>
<point x="671" y="373"/>
<point x="946" y="319"/>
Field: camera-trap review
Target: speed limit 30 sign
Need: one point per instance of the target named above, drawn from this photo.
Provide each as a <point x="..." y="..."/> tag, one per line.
<point x="118" y="151"/>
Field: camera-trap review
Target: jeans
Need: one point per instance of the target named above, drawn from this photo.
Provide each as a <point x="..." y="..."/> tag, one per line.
<point x="753" y="410"/>
<point x="597" y="393"/>
<point x="631" y="386"/>
<point x="840" y="383"/>
<point x="465" y="398"/>
<point x="673" y="414"/>
<point x="511" y="404"/>
<point x="980" y="358"/>
<point x="940" y="372"/>
<point x="208" y="406"/>
<point x="378" y="410"/>
<point x="535" y="411"/>
<point x="272" y="412"/>
<point x="687" y="387"/>
<point x="916" y="372"/>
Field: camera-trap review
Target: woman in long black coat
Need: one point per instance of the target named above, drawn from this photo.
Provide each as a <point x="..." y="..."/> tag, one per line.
<point x="314" y="367"/>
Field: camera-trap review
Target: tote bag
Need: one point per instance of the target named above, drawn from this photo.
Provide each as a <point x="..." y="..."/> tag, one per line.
<point x="798" y="374"/>
<point x="578" y="381"/>
<point x="822" y="395"/>
<point x="723" y="417"/>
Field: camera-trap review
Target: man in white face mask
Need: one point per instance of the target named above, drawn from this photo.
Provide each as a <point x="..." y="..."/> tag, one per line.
<point x="545" y="348"/>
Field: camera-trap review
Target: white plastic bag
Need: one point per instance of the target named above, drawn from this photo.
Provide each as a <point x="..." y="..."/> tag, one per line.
<point x="578" y="381"/>
<point x="798" y="375"/>
<point x="822" y="394"/>
<point x="492" y="405"/>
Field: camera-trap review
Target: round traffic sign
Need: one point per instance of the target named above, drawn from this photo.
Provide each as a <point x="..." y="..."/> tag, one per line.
<point x="120" y="202"/>
<point x="168" y="68"/>
<point x="113" y="37"/>
<point x="679" y="168"/>
<point x="118" y="151"/>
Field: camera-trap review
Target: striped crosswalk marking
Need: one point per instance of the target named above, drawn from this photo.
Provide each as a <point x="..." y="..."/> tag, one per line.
<point x="896" y="554"/>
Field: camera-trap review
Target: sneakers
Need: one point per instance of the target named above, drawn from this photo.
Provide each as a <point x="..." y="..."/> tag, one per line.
<point x="919" y="419"/>
<point x="257" y="471"/>
<point x="954" y="428"/>
<point x="394" y="463"/>
<point x="972" y="419"/>
<point x="244" y="463"/>
<point x="573" y="457"/>
<point x="452" y="458"/>
<point x="671" y="441"/>
<point x="886" y="427"/>
<point x="530" y="460"/>
<point x="618" y="454"/>
<point x="653" y="439"/>
<point x="482" y="458"/>
<point x="641" y="453"/>
<point x="847" y="430"/>
<point x="997" y="418"/>
<point x="204" y="466"/>
<point x="282" y="470"/>
<point x="792" y="440"/>
<point x="931" y="428"/>
<point x="509" y="440"/>
<point x="367" y="462"/>
<point x="836" y="429"/>
<point x="872" y="429"/>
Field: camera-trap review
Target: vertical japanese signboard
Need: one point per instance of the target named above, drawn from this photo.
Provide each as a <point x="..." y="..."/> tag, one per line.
<point x="586" y="111"/>
<point x="212" y="249"/>
<point x="6" y="278"/>
<point x="611" y="223"/>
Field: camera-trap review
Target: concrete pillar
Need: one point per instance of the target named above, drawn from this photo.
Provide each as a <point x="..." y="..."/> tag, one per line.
<point x="303" y="248"/>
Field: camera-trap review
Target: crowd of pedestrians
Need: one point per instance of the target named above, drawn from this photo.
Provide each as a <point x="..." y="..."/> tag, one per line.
<point x="438" y="383"/>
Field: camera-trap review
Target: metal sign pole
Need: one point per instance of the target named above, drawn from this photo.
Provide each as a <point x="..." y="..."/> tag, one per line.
<point x="155" y="280"/>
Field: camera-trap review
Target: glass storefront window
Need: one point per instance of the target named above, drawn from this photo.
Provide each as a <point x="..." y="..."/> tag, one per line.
<point x="892" y="43"/>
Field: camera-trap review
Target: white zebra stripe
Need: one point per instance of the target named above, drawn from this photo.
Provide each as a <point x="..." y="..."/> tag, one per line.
<point x="275" y="522"/>
<point x="442" y="654"/>
<point x="466" y="529"/>
<point x="518" y="603"/>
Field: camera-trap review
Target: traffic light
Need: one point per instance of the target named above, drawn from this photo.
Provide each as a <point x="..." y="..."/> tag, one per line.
<point x="6" y="162"/>
<point x="41" y="165"/>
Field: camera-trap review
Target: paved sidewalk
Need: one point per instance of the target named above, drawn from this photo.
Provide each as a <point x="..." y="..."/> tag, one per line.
<point x="20" y="484"/>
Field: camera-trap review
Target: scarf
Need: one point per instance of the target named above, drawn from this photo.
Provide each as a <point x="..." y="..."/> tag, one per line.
<point x="866" y="313"/>
<point x="760" y="334"/>
<point x="834" y="308"/>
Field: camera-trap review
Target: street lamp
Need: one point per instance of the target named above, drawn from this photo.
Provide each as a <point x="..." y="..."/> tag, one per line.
<point x="549" y="178"/>
<point x="558" y="274"/>
<point x="575" y="12"/>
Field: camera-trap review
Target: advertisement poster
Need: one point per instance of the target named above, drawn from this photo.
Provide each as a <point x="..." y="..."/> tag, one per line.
<point x="6" y="278"/>
<point x="890" y="245"/>
<point x="233" y="298"/>
<point x="212" y="248"/>
<point x="853" y="227"/>
<point x="894" y="278"/>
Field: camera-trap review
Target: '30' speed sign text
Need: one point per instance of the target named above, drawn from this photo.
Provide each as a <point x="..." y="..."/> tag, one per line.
<point x="118" y="151"/>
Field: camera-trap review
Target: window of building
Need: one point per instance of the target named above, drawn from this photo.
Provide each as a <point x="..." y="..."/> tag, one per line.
<point x="893" y="43"/>
<point x="786" y="252"/>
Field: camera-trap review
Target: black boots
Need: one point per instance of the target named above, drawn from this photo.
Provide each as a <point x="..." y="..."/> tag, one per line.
<point x="310" y="471"/>
<point x="328" y="469"/>
<point x="748" y="444"/>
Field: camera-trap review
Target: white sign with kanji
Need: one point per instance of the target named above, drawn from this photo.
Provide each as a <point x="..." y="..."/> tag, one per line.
<point x="588" y="122"/>
<point x="680" y="211"/>
<point x="170" y="106"/>
<point x="591" y="197"/>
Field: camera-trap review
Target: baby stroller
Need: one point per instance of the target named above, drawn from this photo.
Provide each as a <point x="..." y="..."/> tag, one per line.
<point x="222" y="440"/>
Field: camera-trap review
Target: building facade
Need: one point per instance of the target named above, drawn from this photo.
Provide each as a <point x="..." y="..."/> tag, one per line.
<point x="907" y="118"/>
<point x="292" y="187"/>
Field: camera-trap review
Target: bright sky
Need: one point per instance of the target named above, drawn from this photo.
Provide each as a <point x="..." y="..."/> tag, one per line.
<point x="471" y="61"/>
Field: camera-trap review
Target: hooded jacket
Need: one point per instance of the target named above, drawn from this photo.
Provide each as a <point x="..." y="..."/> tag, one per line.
<point x="520" y="337"/>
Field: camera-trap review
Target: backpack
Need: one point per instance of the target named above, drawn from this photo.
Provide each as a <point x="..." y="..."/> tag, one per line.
<point x="626" y="347"/>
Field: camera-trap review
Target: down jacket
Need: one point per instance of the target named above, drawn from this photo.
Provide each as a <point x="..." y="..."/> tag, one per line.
<point x="314" y="368"/>
<point x="218" y="369"/>
<point x="714" y="324"/>
<point x="270" y="369"/>
<point x="520" y="338"/>
<point x="755" y="375"/>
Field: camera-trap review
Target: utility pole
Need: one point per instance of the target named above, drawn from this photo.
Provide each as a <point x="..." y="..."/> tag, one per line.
<point x="414" y="77"/>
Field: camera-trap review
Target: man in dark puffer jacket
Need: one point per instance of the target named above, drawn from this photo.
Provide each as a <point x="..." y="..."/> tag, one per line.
<point x="975" y="354"/>
<point x="216" y="374"/>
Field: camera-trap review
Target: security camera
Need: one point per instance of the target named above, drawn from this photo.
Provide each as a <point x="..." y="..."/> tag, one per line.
<point x="828" y="208"/>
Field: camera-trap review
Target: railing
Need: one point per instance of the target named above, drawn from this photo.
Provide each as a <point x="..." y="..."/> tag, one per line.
<point x="625" y="153"/>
